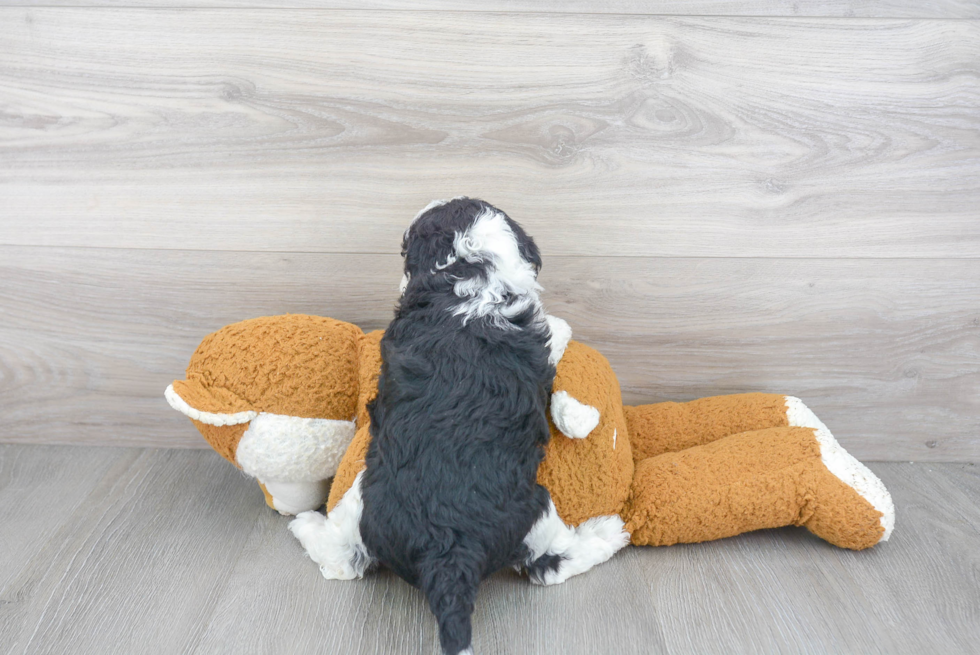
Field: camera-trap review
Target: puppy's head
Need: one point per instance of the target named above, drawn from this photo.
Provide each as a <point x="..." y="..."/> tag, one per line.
<point x="471" y="247"/>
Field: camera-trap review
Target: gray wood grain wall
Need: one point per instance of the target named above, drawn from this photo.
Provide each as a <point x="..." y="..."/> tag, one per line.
<point x="772" y="196"/>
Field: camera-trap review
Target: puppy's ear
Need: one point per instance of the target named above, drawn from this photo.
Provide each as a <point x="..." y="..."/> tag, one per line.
<point x="427" y="245"/>
<point x="526" y="246"/>
<point x="530" y="253"/>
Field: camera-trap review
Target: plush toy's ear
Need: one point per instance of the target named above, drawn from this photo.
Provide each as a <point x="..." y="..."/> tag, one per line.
<point x="219" y="415"/>
<point x="208" y="404"/>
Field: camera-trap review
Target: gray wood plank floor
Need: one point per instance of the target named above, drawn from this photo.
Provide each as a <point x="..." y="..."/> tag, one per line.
<point x="125" y="550"/>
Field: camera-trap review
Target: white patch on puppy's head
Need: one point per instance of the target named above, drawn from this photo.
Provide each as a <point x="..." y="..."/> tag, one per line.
<point x="487" y="259"/>
<point x="510" y="283"/>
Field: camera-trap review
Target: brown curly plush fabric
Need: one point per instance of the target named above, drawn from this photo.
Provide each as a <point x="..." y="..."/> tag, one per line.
<point x="295" y="365"/>
<point x="353" y="461"/>
<point x="669" y="427"/>
<point x="369" y="368"/>
<point x="223" y="438"/>
<point x="592" y="476"/>
<point x="761" y="479"/>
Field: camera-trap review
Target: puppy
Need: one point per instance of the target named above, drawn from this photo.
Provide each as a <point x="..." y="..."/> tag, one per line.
<point x="449" y="492"/>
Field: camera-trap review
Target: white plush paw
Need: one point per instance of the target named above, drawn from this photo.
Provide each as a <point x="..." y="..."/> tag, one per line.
<point x="575" y="420"/>
<point x="843" y="465"/>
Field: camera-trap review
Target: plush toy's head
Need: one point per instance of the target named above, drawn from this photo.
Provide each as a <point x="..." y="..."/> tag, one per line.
<point x="276" y="396"/>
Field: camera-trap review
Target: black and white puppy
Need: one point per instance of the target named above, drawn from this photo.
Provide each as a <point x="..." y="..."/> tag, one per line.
<point x="449" y="492"/>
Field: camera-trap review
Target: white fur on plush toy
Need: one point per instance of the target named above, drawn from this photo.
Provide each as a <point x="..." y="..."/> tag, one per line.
<point x="279" y="448"/>
<point x="561" y="334"/>
<point x="208" y="418"/>
<point x="575" y="420"/>
<point x="291" y="498"/>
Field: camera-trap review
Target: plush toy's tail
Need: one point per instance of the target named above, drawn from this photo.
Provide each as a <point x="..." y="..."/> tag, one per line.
<point x="450" y="583"/>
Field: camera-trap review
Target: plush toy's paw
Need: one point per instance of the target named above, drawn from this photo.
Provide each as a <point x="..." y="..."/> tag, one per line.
<point x="845" y="519"/>
<point x="575" y="420"/>
<point x="561" y="334"/>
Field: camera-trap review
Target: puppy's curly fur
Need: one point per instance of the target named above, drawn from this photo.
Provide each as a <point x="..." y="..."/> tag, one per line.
<point x="458" y="428"/>
<point x="459" y="423"/>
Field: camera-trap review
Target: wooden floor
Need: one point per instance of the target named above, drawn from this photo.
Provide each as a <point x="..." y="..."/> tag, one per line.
<point x="131" y="550"/>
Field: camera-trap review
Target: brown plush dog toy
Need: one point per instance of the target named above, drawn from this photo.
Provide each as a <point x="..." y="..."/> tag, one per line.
<point x="284" y="398"/>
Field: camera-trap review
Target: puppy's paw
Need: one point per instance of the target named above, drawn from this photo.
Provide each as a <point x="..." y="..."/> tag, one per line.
<point x="330" y="545"/>
<point x="591" y="543"/>
<point x="575" y="420"/>
<point x="308" y="527"/>
<point x="561" y="334"/>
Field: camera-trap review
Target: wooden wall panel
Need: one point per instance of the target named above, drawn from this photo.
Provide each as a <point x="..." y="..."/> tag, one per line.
<point x="785" y="8"/>
<point x="754" y="201"/>
<point x="606" y="134"/>
<point x="887" y="354"/>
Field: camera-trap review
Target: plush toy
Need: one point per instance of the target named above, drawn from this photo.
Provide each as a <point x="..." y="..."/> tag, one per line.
<point x="284" y="398"/>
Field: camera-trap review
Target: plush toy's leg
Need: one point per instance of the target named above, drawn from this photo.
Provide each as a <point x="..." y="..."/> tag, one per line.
<point x="268" y="497"/>
<point x="762" y="479"/>
<point x="293" y="458"/>
<point x="557" y="551"/>
<point x="334" y="541"/>
<point x="670" y="427"/>
<point x="291" y="498"/>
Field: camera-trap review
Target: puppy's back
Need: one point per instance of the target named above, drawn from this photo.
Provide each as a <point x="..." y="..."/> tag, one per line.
<point x="458" y="429"/>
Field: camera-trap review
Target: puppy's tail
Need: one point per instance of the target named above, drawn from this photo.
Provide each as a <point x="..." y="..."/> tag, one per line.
<point x="450" y="584"/>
